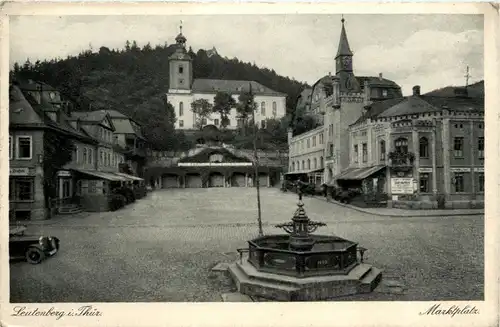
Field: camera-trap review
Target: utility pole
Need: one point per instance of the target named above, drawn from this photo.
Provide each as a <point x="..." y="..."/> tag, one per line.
<point x="256" y="159"/>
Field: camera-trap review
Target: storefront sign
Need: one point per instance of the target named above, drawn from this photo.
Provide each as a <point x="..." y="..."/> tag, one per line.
<point x="479" y="169"/>
<point x="19" y="171"/>
<point x="64" y="173"/>
<point x="402" y="185"/>
<point x="460" y="170"/>
<point x="214" y="164"/>
<point x="425" y="170"/>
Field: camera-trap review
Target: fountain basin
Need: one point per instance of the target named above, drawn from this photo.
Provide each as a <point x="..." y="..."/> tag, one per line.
<point x="329" y="255"/>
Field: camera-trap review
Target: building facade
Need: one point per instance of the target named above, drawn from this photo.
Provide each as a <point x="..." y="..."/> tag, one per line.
<point x="337" y="101"/>
<point x="184" y="90"/>
<point x="422" y="151"/>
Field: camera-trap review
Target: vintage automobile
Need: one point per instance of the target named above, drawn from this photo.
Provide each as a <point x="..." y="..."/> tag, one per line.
<point x="32" y="248"/>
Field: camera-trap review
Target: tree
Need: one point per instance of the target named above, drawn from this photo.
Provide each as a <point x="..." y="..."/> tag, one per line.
<point x="202" y="110"/>
<point x="223" y="103"/>
<point x="246" y="106"/>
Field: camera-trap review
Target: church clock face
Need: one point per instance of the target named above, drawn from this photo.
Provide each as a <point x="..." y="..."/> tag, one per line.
<point x="346" y="61"/>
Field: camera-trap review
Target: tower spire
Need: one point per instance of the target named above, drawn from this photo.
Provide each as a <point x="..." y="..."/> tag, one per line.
<point x="344" y="49"/>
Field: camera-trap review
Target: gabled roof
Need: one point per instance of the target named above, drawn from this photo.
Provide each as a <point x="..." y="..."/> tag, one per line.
<point x="93" y="117"/>
<point x="376" y="108"/>
<point x="377" y="81"/>
<point x="201" y="85"/>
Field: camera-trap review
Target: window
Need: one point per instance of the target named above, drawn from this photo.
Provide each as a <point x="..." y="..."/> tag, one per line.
<point x="356" y="153"/>
<point x="331" y="149"/>
<point x="424" y="147"/>
<point x="314" y="140"/>
<point x="293" y="166"/>
<point x="382" y="150"/>
<point x="384" y="93"/>
<point x="181" y="123"/>
<point x="308" y="164"/>
<point x="459" y="183"/>
<point x="308" y="143"/>
<point x="109" y="159"/>
<point x="480" y="147"/>
<point x="401" y="145"/>
<point x="113" y="160"/>
<point x="101" y="161"/>
<point x="84" y="155"/>
<point x="11" y="147"/>
<point x="365" y="152"/>
<point x="315" y="163"/>
<point x="321" y="138"/>
<point x="22" y="189"/>
<point x="74" y="154"/>
<point x="181" y="69"/>
<point x="90" y="155"/>
<point x="330" y="130"/>
<point x="480" y="184"/>
<point x="321" y="163"/>
<point x="424" y="183"/>
<point x="262" y="124"/>
<point x="216" y="122"/>
<point x="181" y="108"/>
<point x="458" y="146"/>
<point x="303" y="165"/>
<point x="24" y="149"/>
<point x="203" y="121"/>
<point x="275" y="109"/>
<point x="263" y="108"/>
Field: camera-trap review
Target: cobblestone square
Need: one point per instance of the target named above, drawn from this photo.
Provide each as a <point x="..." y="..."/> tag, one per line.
<point x="162" y="248"/>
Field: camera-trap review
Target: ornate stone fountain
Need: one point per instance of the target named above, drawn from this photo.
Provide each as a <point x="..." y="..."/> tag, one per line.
<point x="299" y="266"/>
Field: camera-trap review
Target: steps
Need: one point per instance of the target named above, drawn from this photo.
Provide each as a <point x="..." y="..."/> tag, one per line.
<point x="69" y="209"/>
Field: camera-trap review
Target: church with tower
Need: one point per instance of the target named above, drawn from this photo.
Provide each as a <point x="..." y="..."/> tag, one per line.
<point x="184" y="89"/>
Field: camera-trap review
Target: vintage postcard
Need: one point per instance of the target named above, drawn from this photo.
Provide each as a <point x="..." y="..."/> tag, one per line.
<point x="249" y="164"/>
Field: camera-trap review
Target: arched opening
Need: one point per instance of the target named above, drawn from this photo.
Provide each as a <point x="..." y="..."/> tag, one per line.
<point x="170" y="181"/>
<point x="321" y="163"/>
<point x="193" y="181"/>
<point x="424" y="147"/>
<point x="263" y="180"/>
<point x="216" y="179"/>
<point x="401" y="145"/>
<point x="238" y="180"/>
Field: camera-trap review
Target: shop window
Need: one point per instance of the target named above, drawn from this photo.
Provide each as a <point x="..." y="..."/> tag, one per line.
<point x="424" y="147"/>
<point x="22" y="189"/>
<point x="480" y="184"/>
<point x="458" y="147"/>
<point x="401" y="145"/>
<point x="424" y="183"/>
<point x="24" y="147"/>
<point x="356" y="153"/>
<point x="458" y="182"/>
<point x="480" y="147"/>
<point x="382" y="150"/>
<point x="365" y="152"/>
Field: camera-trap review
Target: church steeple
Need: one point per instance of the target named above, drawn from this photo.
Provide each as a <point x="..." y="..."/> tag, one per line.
<point x="344" y="55"/>
<point x="181" y="39"/>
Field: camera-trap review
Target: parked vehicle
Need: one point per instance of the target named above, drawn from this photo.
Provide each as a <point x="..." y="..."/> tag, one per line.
<point x="32" y="248"/>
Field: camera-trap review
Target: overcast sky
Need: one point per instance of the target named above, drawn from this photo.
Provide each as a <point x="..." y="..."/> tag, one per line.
<point x="428" y="50"/>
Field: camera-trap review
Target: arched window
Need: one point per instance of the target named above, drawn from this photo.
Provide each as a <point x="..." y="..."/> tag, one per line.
<point x="315" y="163"/>
<point x="84" y="155"/>
<point x="424" y="147"/>
<point x="303" y="165"/>
<point x="401" y="145"/>
<point x="308" y="164"/>
<point x="181" y="108"/>
<point x="90" y="155"/>
<point x="293" y="166"/>
<point x="382" y="150"/>
<point x="321" y="163"/>
<point x="263" y="108"/>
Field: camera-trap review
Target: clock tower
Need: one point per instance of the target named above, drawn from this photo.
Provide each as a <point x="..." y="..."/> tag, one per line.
<point x="343" y="64"/>
<point x="180" y="66"/>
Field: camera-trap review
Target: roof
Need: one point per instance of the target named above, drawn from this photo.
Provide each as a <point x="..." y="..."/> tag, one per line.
<point x="201" y="85"/>
<point x="30" y="85"/>
<point x="377" y="81"/>
<point x="379" y="107"/>
<point x="411" y="105"/>
<point x="89" y="116"/>
<point x="344" y="49"/>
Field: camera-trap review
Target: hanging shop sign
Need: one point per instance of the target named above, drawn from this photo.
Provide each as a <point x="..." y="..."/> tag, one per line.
<point x="214" y="164"/>
<point x="460" y="170"/>
<point x="402" y="186"/>
<point x="64" y="173"/>
<point x="19" y="171"/>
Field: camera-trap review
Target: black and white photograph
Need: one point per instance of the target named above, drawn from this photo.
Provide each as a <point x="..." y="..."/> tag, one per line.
<point x="334" y="157"/>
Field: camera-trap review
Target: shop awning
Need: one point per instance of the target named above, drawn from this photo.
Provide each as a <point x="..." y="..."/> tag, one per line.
<point x="358" y="173"/>
<point x="131" y="177"/>
<point x="102" y="175"/>
<point x="305" y="172"/>
<point x="296" y="173"/>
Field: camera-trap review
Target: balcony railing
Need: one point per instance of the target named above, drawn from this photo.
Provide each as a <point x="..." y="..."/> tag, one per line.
<point x="401" y="159"/>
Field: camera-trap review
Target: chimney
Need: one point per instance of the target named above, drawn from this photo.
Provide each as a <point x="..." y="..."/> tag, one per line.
<point x="380" y="76"/>
<point x="416" y="90"/>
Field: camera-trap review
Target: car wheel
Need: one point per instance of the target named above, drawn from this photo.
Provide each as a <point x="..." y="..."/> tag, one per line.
<point x="34" y="255"/>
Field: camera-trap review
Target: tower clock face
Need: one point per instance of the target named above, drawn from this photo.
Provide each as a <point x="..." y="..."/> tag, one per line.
<point x="346" y="62"/>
